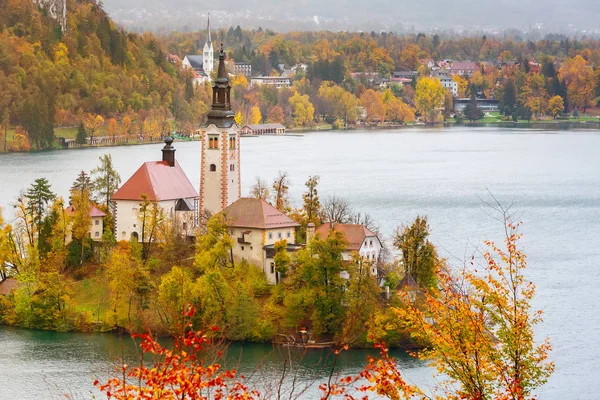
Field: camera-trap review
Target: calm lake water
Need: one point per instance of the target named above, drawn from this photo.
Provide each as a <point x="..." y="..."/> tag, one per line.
<point x="552" y="179"/>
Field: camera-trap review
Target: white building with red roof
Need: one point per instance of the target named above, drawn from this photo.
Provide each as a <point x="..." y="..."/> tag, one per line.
<point x="359" y="239"/>
<point x="97" y="227"/>
<point x="162" y="182"/>
<point x="255" y="226"/>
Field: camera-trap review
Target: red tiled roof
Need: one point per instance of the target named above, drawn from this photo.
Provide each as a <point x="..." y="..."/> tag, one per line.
<point x="354" y="234"/>
<point x="256" y="213"/>
<point x="94" y="212"/>
<point x="8" y="286"/>
<point x="158" y="181"/>
<point x="463" y="65"/>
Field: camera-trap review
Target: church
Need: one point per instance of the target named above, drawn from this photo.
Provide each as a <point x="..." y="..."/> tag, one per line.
<point x="254" y="224"/>
<point x="202" y="65"/>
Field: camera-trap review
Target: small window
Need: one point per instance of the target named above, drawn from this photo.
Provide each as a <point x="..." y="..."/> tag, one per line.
<point x="184" y="226"/>
<point x="232" y="167"/>
<point x="213" y="142"/>
<point x="279" y="235"/>
<point x="270" y="235"/>
<point x="272" y="267"/>
<point x="242" y="248"/>
<point x="123" y="235"/>
<point x="97" y="222"/>
<point x="97" y="234"/>
<point x="371" y="243"/>
<point x="213" y="168"/>
<point x="289" y="234"/>
<point x="134" y="225"/>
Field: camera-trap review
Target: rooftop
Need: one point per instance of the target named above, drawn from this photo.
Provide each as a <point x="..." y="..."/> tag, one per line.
<point x="256" y="213"/>
<point x="354" y="234"/>
<point x="94" y="211"/>
<point x="158" y="181"/>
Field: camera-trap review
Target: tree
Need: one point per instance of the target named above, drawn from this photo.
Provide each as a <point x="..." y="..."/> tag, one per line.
<point x="336" y="210"/>
<point x="579" y="78"/>
<point x="275" y="115"/>
<point x="81" y="137"/>
<point x="281" y="259"/>
<point x="448" y="105"/>
<point x="181" y="373"/>
<point x="429" y="97"/>
<point x="303" y="110"/>
<point x="92" y="123"/>
<point x="472" y="111"/>
<point x="339" y="104"/>
<point x="533" y="94"/>
<point x="280" y="192"/>
<point x="312" y="205"/>
<point x="255" y="115"/>
<point x="105" y="180"/>
<point x="419" y="257"/>
<point x="478" y="327"/>
<point x="113" y="129"/>
<point x="260" y="189"/>
<point x="372" y="102"/>
<point x="82" y="182"/>
<point x="38" y="196"/>
<point x="556" y="106"/>
<point x="5" y="125"/>
<point x="81" y="219"/>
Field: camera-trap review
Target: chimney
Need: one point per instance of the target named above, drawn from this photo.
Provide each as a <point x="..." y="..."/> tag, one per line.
<point x="310" y="232"/>
<point x="168" y="152"/>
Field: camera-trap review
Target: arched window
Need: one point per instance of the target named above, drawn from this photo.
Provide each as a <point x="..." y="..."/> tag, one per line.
<point x="232" y="167"/>
<point x="97" y="234"/>
<point x="123" y="235"/>
<point x="135" y="237"/>
<point x="213" y="142"/>
<point x="213" y="168"/>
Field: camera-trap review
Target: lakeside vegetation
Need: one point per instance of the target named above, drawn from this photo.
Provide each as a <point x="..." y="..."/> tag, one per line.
<point x="98" y="80"/>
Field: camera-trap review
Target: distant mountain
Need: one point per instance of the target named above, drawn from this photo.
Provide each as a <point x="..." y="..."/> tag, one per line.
<point x="404" y="15"/>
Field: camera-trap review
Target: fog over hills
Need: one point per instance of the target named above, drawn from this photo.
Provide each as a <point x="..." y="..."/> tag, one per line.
<point x="400" y="16"/>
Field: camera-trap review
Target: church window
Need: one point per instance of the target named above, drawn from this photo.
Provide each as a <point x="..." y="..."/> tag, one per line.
<point x="232" y="167"/>
<point x="213" y="168"/>
<point x="232" y="143"/>
<point x="213" y="142"/>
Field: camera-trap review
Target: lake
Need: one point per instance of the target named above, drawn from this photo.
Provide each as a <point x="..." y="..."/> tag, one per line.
<point x="551" y="178"/>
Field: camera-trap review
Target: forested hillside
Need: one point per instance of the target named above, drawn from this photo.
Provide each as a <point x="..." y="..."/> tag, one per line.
<point x="50" y="79"/>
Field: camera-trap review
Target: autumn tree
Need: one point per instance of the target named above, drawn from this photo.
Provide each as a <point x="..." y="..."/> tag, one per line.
<point x="534" y="95"/>
<point x="81" y="220"/>
<point x="260" y="189"/>
<point x="372" y="102"/>
<point x="339" y="104"/>
<point x="429" y="98"/>
<point x="336" y="210"/>
<point x="275" y="115"/>
<point x="556" y="106"/>
<point x="113" y="129"/>
<point x="312" y="205"/>
<point x="255" y="115"/>
<point x="579" y="78"/>
<point x="303" y="110"/>
<point x="92" y="122"/>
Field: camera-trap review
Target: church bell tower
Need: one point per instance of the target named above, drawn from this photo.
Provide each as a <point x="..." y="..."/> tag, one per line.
<point x="220" y="149"/>
<point x="208" y="62"/>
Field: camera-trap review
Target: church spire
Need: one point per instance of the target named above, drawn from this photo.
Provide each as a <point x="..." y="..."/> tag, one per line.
<point x="208" y="37"/>
<point x="220" y="112"/>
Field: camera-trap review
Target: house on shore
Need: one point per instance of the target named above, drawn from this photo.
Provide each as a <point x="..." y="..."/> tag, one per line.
<point x="359" y="239"/>
<point x="278" y="82"/>
<point x="486" y="105"/>
<point x="163" y="183"/>
<point x="97" y="227"/>
<point x="263" y="129"/>
<point x="255" y="226"/>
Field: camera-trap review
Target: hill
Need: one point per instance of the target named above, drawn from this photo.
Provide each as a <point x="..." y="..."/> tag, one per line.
<point x="50" y="76"/>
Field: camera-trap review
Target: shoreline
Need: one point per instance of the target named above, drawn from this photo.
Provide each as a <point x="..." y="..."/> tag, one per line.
<point x="299" y="132"/>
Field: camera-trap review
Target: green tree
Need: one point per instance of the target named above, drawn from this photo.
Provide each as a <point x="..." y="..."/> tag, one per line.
<point x="282" y="259"/>
<point x="419" y="256"/>
<point x="472" y="111"/>
<point x="213" y="248"/>
<point x="81" y="137"/>
<point x="280" y="192"/>
<point x="38" y="196"/>
<point x="105" y="180"/>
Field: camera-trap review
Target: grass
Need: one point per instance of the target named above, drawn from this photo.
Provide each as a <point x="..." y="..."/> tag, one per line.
<point x="92" y="295"/>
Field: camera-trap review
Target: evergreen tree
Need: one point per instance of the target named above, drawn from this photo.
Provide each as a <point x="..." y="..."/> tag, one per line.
<point x="312" y="206"/>
<point x="472" y="111"/>
<point x="83" y="182"/>
<point x="81" y="137"/>
<point x="38" y="196"/>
